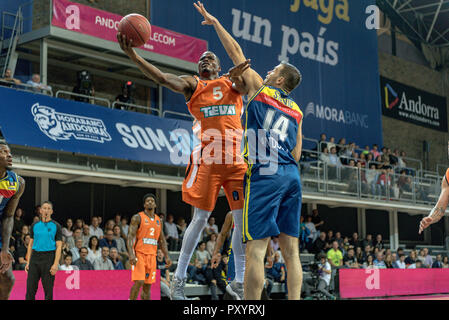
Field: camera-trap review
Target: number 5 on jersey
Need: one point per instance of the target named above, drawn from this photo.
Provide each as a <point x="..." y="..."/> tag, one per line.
<point x="280" y="126"/>
<point x="217" y="93"/>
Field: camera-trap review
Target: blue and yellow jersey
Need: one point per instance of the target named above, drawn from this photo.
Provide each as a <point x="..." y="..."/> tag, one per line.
<point x="9" y="186"/>
<point x="271" y="125"/>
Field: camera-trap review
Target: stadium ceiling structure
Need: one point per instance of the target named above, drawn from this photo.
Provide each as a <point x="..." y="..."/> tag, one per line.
<point x="424" y="22"/>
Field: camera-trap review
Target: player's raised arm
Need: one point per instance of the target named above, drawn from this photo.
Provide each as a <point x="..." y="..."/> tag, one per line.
<point x="7" y="226"/>
<point x="438" y="211"/>
<point x="131" y="241"/>
<point x="227" y="225"/>
<point x="252" y="79"/>
<point x="180" y="84"/>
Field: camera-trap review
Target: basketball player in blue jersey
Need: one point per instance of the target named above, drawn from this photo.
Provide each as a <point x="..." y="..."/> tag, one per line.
<point x="272" y="183"/>
<point x="11" y="189"/>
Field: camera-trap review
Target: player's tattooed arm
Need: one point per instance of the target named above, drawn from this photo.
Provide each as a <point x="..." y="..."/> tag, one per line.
<point x="181" y="84"/>
<point x="131" y="240"/>
<point x="7" y="226"/>
<point x="440" y="208"/>
<point x="163" y="246"/>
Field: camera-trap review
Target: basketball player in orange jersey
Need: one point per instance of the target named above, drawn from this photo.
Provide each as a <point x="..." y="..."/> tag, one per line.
<point x="216" y="163"/>
<point x="145" y="233"/>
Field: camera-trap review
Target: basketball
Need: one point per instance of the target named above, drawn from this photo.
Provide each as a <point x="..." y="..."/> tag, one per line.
<point x="135" y="27"/>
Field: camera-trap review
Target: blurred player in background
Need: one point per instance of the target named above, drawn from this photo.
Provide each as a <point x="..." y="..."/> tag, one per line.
<point x="145" y="233"/>
<point x="12" y="187"/>
<point x="217" y="107"/>
<point x="272" y="195"/>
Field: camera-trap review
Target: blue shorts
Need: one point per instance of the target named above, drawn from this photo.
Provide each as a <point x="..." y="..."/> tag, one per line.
<point x="272" y="203"/>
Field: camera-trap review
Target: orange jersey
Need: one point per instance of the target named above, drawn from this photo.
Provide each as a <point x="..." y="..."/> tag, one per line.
<point x="218" y="108"/>
<point x="147" y="234"/>
<point x="447" y="176"/>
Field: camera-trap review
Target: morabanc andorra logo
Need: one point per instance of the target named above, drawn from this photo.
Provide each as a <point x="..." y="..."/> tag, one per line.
<point x="64" y="126"/>
<point x="388" y="104"/>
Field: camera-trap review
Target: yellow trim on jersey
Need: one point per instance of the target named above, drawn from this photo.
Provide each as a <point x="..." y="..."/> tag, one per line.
<point x="285" y="101"/>
<point x="245" y="230"/>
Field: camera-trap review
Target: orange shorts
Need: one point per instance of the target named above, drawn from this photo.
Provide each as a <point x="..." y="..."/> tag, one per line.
<point x="145" y="268"/>
<point x="204" y="181"/>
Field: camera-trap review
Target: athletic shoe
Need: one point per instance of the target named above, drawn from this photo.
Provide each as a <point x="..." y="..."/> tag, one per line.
<point x="177" y="289"/>
<point x="235" y="289"/>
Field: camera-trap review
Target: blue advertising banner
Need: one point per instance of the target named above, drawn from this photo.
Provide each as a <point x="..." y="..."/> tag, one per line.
<point x="44" y="122"/>
<point x="332" y="42"/>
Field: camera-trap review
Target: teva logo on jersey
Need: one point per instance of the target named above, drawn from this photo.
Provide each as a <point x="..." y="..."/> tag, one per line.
<point x="388" y="104"/>
<point x="222" y="110"/>
<point x="337" y="115"/>
<point x="63" y="126"/>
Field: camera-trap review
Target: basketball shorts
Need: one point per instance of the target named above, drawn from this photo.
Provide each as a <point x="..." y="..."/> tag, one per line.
<point x="145" y="268"/>
<point x="204" y="181"/>
<point x="272" y="203"/>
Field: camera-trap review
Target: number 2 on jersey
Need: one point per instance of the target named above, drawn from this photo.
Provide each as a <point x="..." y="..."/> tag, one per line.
<point x="152" y="231"/>
<point x="280" y="126"/>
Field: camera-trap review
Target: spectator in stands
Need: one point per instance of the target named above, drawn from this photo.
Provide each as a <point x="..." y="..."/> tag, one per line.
<point x="428" y="261"/>
<point x="171" y="234"/>
<point x="8" y="80"/>
<point x="401" y="161"/>
<point x="75" y="251"/>
<point x="203" y="255"/>
<point x="104" y="263"/>
<point x="210" y="245"/>
<point x="93" y="249"/>
<point x="216" y="277"/>
<point x="445" y="262"/>
<point x="181" y="226"/>
<point x="316" y="219"/>
<point x="345" y="246"/>
<point x="375" y="151"/>
<point x="369" y="159"/>
<point x="400" y="251"/>
<point x="341" y="146"/>
<point x="331" y="143"/>
<point x="400" y="264"/>
<point x="421" y="256"/>
<point x="330" y="236"/>
<point x="324" y="156"/>
<point x="18" y="223"/>
<point x="417" y="265"/>
<point x="67" y="231"/>
<point x="124" y="226"/>
<point x="277" y="272"/>
<point x="347" y="153"/>
<point x="322" y="143"/>
<point x="95" y="229"/>
<point x="369" y="262"/>
<point x="411" y="259"/>
<point x="165" y="274"/>
<point x="388" y="261"/>
<point x="379" y="261"/>
<point x="86" y="235"/>
<point x="71" y="241"/>
<point x="304" y="233"/>
<point x="108" y="240"/>
<point x="404" y="183"/>
<point x="116" y="262"/>
<point x="437" y="263"/>
<point x="67" y="265"/>
<point x="79" y="223"/>
<point x="64" y="251"/>
<point x="350" y="260"/>
<point x="335" y="256"/>
<point x="311" y="227"/>
<point x="21" y="253"/>
<point x="355" y="241"/>
<point x="118" y="220"/>
<point x="275" y="243"/>
<point x="125" y="97"/>
<point x="368" y="240"/>
<point x="121" y="245"/>
<point x="339" y="239"/>
<point x="366" y="151"/>
<point x="320" y="245"/>
<point x="359" y="255"/>
<point x="394" y="157"/>
<point x="35" y="82"/>
<point x="367" y="252"/>
<point x="350" y="176"/>
<point x="210" y="228"/>
<point x="378" y="243"/>
<point x="109" y="226"/>
<point x="82" y="263"/>
<point x="334" y="164"/>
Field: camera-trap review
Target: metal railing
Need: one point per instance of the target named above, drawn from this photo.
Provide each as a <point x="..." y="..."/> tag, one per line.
<point x="26" y="87"/>
<point x="91" y="98"/>
<point x="177" y="114"/>
<point x="132" y="105"/>
<point x="364" y="184"/>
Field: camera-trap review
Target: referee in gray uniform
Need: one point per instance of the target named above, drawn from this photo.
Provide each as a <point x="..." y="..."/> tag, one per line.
<point x="44" y="253"/>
